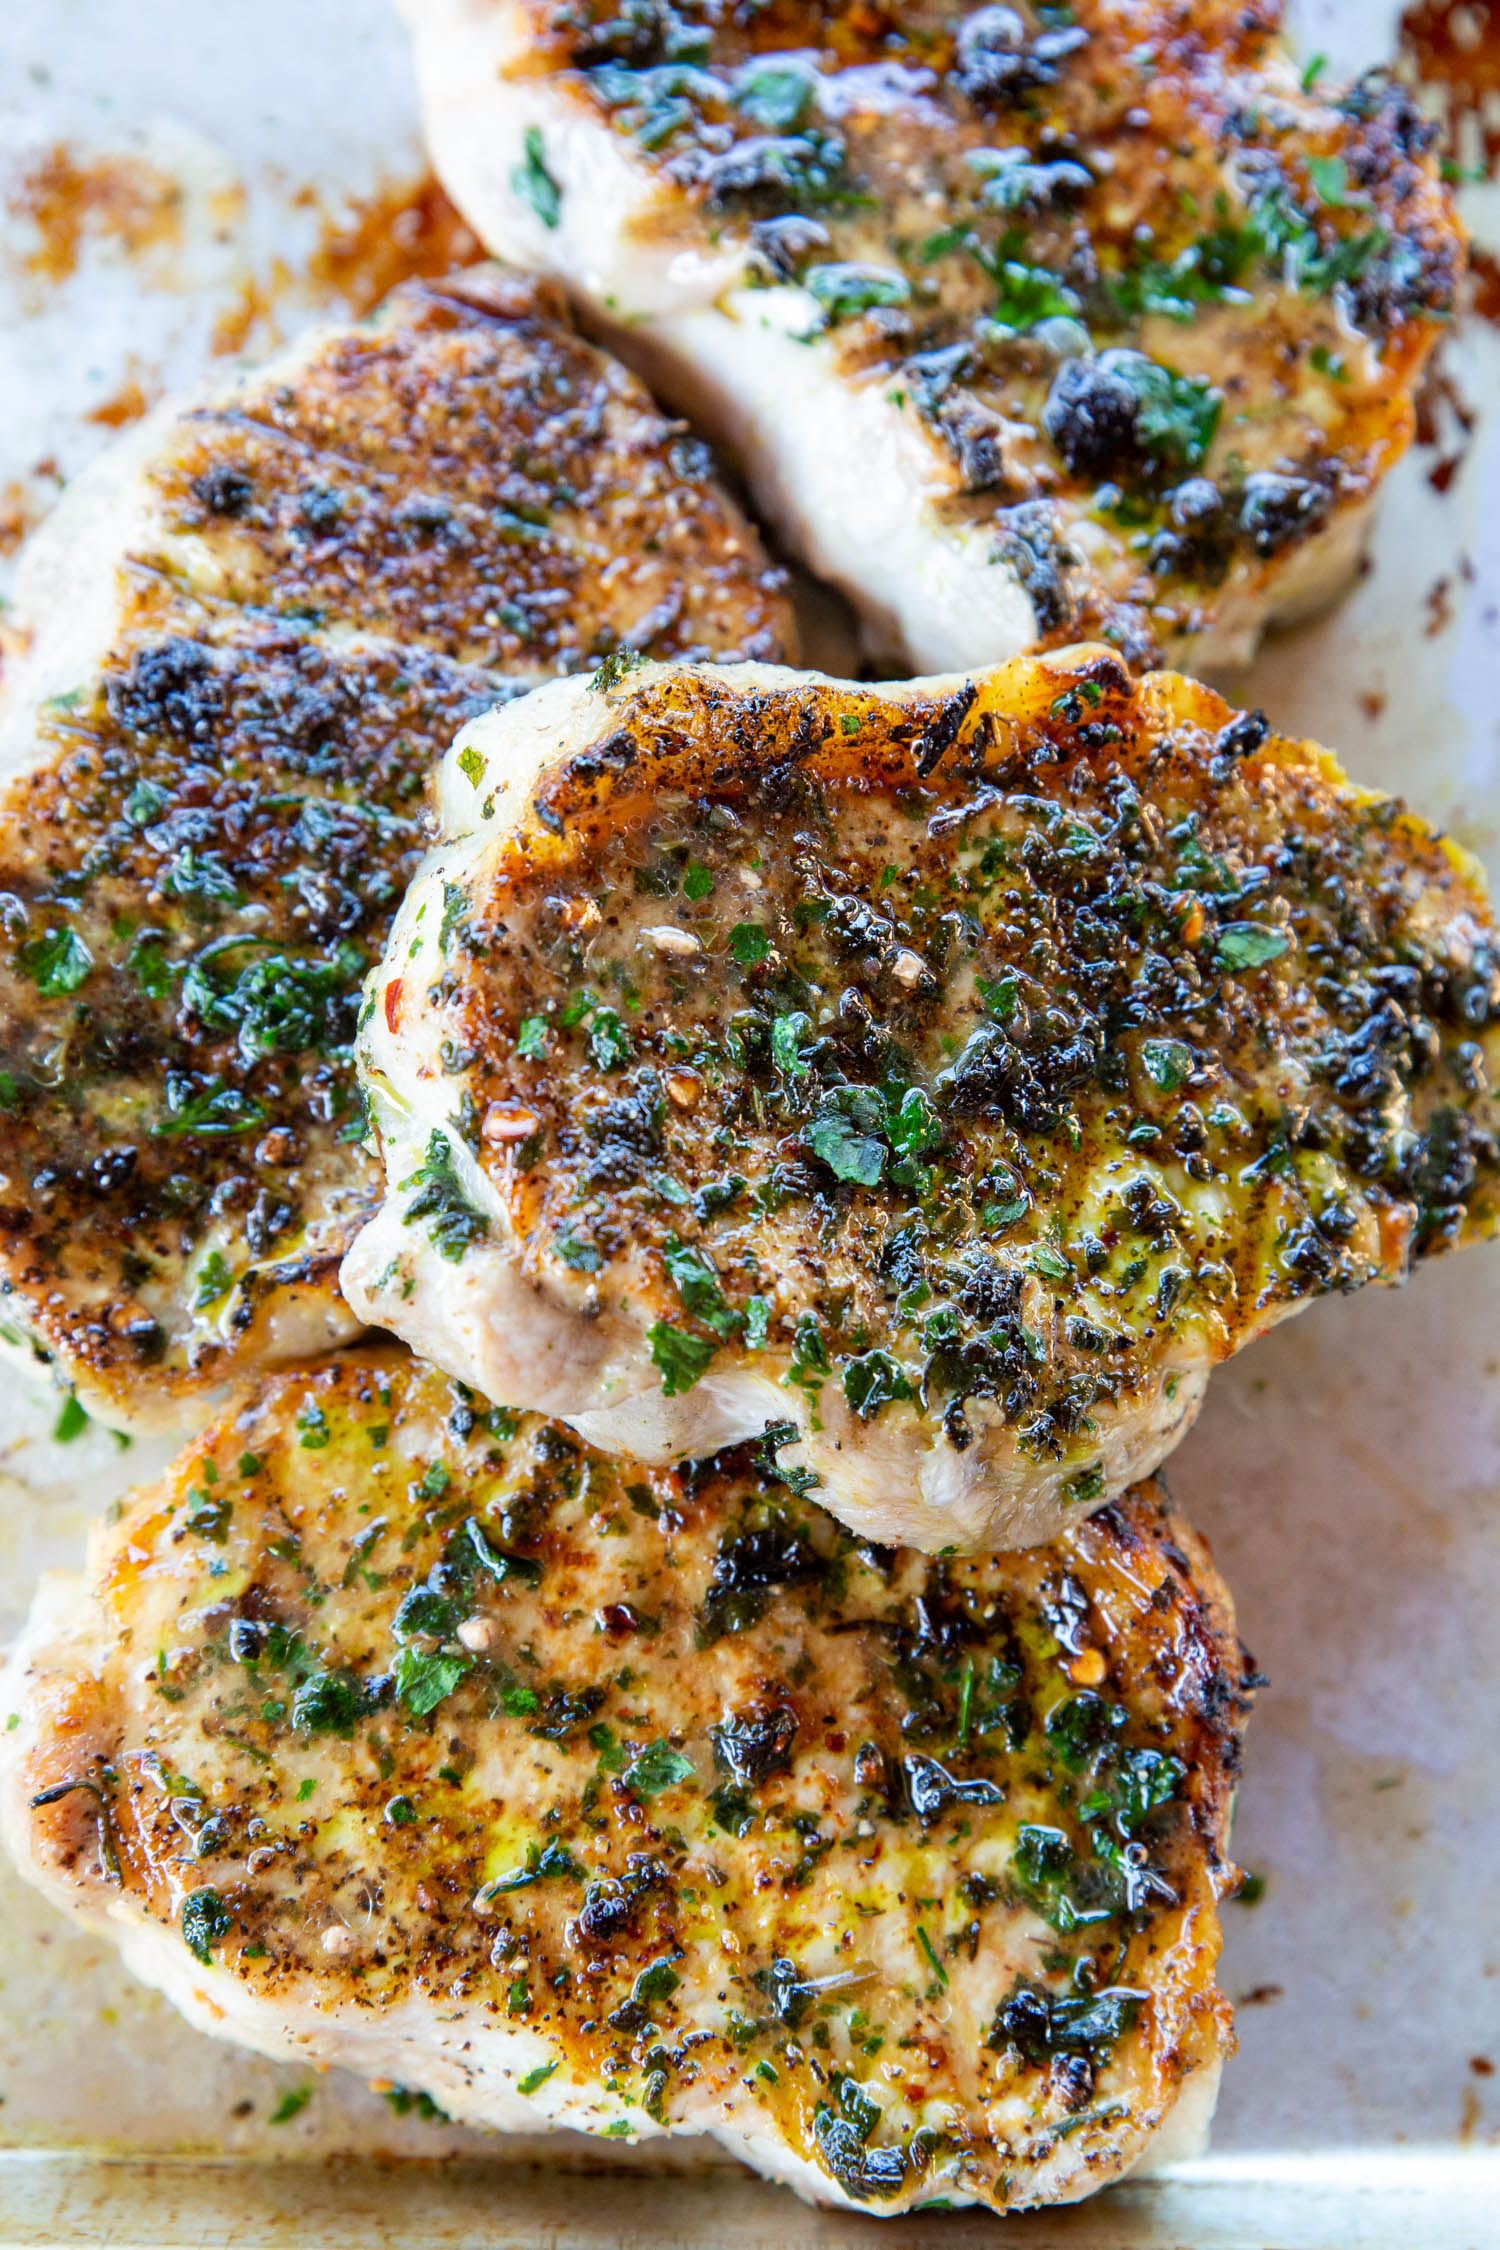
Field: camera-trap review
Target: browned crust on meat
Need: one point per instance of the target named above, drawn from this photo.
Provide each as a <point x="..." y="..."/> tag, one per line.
<point x="1020" y="1042"/>
<point x="434" y="510"/>
<point x="864" y="1703"/>
<point x="958" y="180"/>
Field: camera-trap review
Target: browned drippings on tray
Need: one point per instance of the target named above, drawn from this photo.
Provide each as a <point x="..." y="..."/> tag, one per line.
<point x="1453" y="46"/>
<point x="404" y="230"/>
<point x="1484" y="274"/>
<point x="17" y="515"/>
<point x="68" y="198"/>
<point x="124" y="406"/>
<point x="1446" y="422"/>
<point x="367" y="245"/>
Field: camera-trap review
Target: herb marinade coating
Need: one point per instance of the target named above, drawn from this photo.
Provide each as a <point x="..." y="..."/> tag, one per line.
<point x="953" y="1072"/>
<point x="396" y="1730"/>
<point x="1146" y="311"/>
<point x="259" y="625"/>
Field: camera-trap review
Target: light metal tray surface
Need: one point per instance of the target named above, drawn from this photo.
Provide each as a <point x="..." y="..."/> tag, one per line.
<point x="1347" y="1470"/>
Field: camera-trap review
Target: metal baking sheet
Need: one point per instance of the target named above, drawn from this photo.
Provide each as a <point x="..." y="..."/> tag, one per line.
<point x="178" y="184"/>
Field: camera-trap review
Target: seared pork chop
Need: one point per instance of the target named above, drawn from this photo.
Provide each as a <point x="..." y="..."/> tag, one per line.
<point x="950" y="1073"/>
<point x="1029" y="324"/>
<point x="255" y="628"/>
<point x="402" y="1732"/>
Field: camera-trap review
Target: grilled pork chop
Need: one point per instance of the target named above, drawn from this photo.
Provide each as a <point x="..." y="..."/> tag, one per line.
<point x="1028" y="324"/>
<point x="949" y="1073"/>
<point x="397" y="1731"/>
<point x="256" y="626"/>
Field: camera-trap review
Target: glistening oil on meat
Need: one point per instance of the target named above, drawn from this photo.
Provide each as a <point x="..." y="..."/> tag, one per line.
<point x="955" y="1072"/>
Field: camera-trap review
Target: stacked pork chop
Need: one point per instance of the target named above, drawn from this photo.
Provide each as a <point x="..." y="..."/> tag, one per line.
<point x="1029" y="324"/>
<point x="254" y="628"/>
<point x="818" y="1136"/>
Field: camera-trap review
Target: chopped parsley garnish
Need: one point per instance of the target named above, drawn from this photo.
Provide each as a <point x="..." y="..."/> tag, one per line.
<point x="1275" y="234"/>
<point x="455" y="907"/>
<point x="932" y="1955"/>
<point x="842" y="290"/>
<point x="847" y="1131"/>
<point x="533" y="182"/>
<point x="657" y="1981"/>
<point x="212" y="1108"/>
<point x="544" y="1863"/>
<point x="1176" y="415"/>
<point x="206" y="1922"/>
<point x="610" y="1042"/>
<point x="201" y="879"/>
<point x="1026" y="294"/>
<point x="1248" y="945"/>
<point x="328" y="1703"/>
<point x="681" y="1359"/>
<point x="424" y="1613"/>
<point x="658" y="1767"/>
<point x="453" y="1222"/>
<point x="809" y="1352"/>
<point x="774" y="98"/>
<point x="615" y="668"/>
<point x="213" y="1282"/>
<point x="787" y="1035"/>
<point x="146" y="803"/>
<point x="57" y="963"/>
<point x="495" y="1562"/>
<point x="312" y="1422"/>
<point x="423" y="1681"/>
<point x="749" y="944"/>
<point x="1330" y="179"/>
<point x="582" y="1256"/>
<point x="697" y="1284"/>
<point x="872" y="1381"/>
<point x="1167" y="1063"/>
<point x="914" y="1127"/>
<point x="274" y="1003"/>
<point x="1041" y="2024"/>
<point x="208" y="1510"/>
<point x="71" y="1422"/>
